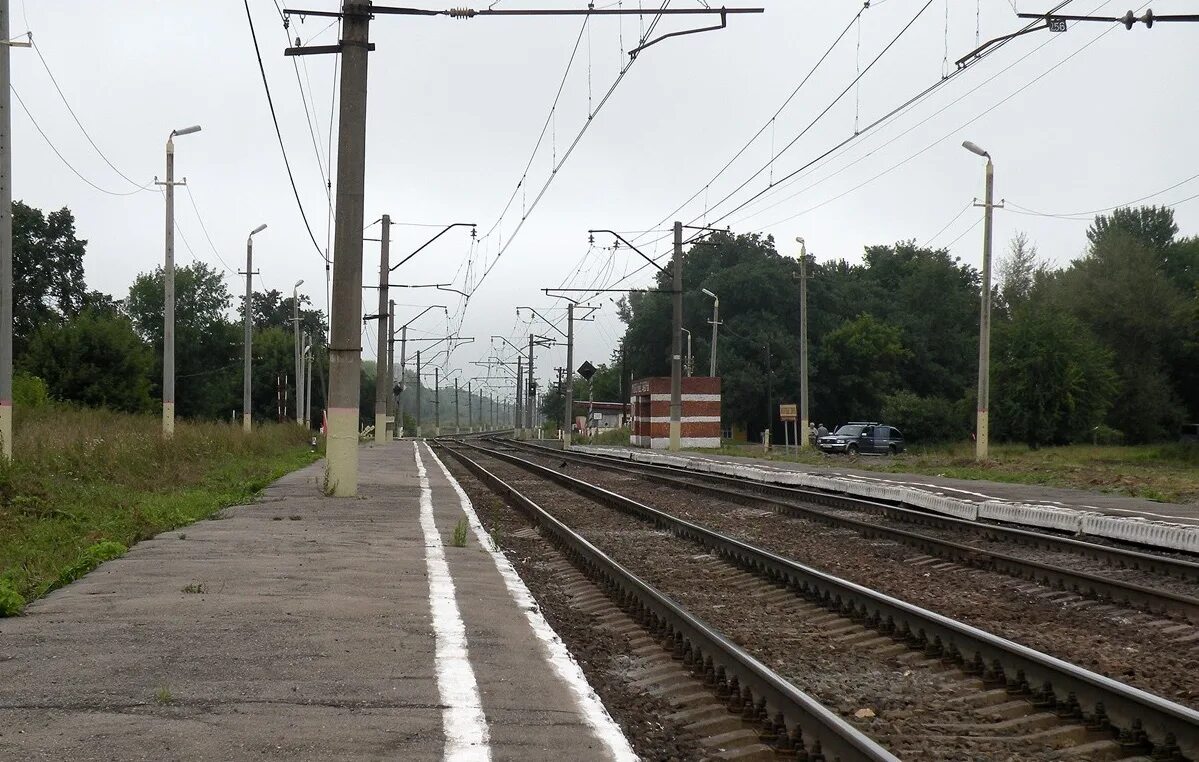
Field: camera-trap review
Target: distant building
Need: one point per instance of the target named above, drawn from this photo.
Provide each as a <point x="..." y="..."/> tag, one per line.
<point x="700" y="413"/>
<point x="604" y="415"/>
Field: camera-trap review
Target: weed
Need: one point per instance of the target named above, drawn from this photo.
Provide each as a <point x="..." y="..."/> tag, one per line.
<point x="12" y="602"/>
<point x="163" y="696"/>
<point x="195" y="588"/>
<point x="497" y="536"/>
<point x="93" y="556"/>
<point x="459" y="540"/>
<point x="183" y="535"/>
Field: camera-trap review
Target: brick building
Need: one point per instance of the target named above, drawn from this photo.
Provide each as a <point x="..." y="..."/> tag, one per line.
<point x="700" y="414"/>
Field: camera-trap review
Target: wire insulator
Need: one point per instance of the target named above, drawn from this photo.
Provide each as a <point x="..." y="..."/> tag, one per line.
<point x="462" y="13"/>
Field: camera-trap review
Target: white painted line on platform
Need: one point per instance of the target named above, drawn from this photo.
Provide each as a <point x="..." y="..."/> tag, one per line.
<point x="564" y="664"/>
<point x="466" y="736"/>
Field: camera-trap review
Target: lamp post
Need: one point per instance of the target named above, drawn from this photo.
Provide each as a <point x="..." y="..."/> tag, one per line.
<point x="687" y="362"/>
<point x="295" y="324"/>
<point x="803" y="342"/>
<point x="248" y="341"/>
<point x="982" y="424"/>
<point x="168" y="276"/>
<point x="306" y="365"/>
<point x="715" y="321"/>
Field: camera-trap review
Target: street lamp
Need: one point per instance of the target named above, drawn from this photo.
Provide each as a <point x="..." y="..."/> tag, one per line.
<point x="295" y="325"/>
<point x="249" y="323"/>
<point x="168" y="277"/>
<point x="688" y="364"/>
<point x="715" y="321"/>
<point x="982" y="423"/>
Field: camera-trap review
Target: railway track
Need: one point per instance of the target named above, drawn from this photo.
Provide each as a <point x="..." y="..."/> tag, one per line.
<point x="787" y="719"/>
<point x="1162" y="585"/>
<point x="1072" y="700"/>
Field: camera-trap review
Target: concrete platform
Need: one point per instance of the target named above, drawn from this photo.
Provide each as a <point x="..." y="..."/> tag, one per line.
<point x="1167" y="525"/>
<point x="303" y="627"/>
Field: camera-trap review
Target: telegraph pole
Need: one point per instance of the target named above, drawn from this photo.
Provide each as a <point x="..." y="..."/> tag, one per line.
<point x="391" y="369"/>
<point x="345" y="341"/>
<point x="803" y="343"/>
<point x="248" y="340"/>
<point x="569" y="386"/>
<point x="676" y="342"/>
<point x="382" y="392"/>
<point x="6" y="272"/>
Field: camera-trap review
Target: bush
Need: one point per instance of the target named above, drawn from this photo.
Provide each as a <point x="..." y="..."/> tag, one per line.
<point x="12" y="602"/>
<point x="1106" y="435"/>
<point x="29" y="391"/>
<point x="926" y="419"/>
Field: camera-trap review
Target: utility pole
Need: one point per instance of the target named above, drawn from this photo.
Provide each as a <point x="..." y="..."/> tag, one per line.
<point x="308" y="353"/>
<point x="418" y="416"/>
<point x="345" y="341"/>
<point x="982" y="423"/>
<point x="457" y="418"/>
<point x="519" y="392"/>
<point x="295" y="324"/>
<point x="470" y="409"/>
<point x="6" y="268"/>
<point x="803" y="343"/>
<point x="569" y="386"/>
<point x="403" y="379"/>
<point x="168" y="273"/>
<point x="530" y="397"/>
<point x="391" y="369"/>
<point x="687" y="369"/>
<point x="676" y="343"/>
<point x="382" y="392"/>
<point x="715" y="321"/>
<point x="248" y="340"/>
<point x="436" y="401"/>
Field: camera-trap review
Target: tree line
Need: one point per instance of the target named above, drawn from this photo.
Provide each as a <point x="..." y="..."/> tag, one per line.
<point x="1103" y="348"/>
<point x="81" y="346"/>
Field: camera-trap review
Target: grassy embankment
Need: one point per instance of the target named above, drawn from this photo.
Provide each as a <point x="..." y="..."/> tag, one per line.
<point x="1164" y="472"/>
<point x="86" y="484"/>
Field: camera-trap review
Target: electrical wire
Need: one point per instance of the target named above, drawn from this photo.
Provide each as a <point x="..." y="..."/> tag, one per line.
<point x="279" y="134"/>
<point x="1085" y="216"/>
<point x="204" y="229"/>
<point x="62" y="158"/>
<point x="937" y="235"/>
<point x="37" y="49"/>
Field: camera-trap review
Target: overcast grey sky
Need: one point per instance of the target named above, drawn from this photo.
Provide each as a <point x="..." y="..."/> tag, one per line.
<point x="455" y="108"/>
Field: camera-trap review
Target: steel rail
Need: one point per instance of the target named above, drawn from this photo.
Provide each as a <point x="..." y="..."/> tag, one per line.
<point x="778" y="706"/>
<point x="1087" y="584"/>
<point x="1136" y="718"/>
<point x="1114" y="556"/>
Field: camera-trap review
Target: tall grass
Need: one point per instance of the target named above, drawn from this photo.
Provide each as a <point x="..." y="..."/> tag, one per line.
<point x="82" y="478"/>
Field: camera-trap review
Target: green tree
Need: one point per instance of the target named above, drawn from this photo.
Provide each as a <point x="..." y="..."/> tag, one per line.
<point x="47" y="270"/>
<point x="208" y="368"/>
<point x="860" y="363"/>
<point x="1150" y="226"/>
<point x="94" y="359"/>
<point x="1053" y="381"/>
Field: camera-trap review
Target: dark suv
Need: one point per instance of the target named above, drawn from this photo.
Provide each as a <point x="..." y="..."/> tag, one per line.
<point x="863" y="436"/>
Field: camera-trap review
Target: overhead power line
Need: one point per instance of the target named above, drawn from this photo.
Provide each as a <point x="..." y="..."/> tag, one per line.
<point x="1088" y="215"/>
<point x="279" y="134"/>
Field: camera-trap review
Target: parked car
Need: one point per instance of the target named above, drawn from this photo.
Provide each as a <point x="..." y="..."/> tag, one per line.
<point x="863" y="436"/>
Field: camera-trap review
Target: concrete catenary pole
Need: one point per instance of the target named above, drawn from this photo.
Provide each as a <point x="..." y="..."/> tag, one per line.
<point x="403" y="380"/>
<point x="418" y="384"/>
<point x="569" y="387"/>
<point x="470" y="409"/>
<point x="391" y="368"/>
<point x="519" y="421"/>
<point x="676" y="342"/>
<point x="382" y="390"/>
<point x="6" y="271"/>
<point x="803" y="343"/>
<point x="457" y="417"/>
<point x="436" y="401"/>
<point x="345" y="341"/>
<point x="295" y="325"/>
<point x="530" y="395"/>
<point x="307" y="381"/>
<point x="168" y="288"/>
